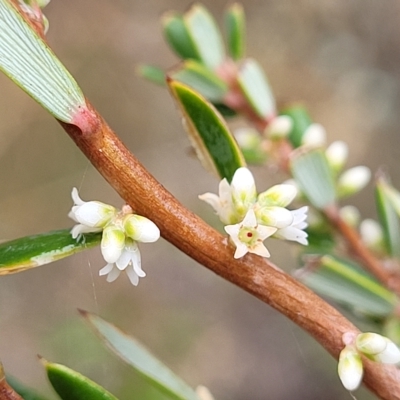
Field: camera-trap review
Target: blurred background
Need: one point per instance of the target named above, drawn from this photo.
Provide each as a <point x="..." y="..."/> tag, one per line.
<point x="342" y="59"/>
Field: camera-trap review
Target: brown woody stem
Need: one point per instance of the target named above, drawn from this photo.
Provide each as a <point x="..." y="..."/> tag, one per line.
<point x="194" y="237"/>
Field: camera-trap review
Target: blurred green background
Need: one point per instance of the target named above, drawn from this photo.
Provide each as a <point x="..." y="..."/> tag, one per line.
<point x="341" y="58"/>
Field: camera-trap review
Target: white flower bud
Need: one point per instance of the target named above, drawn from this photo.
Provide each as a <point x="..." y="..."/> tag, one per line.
<point x="314" y="136"/>
<point x="279" y="127"/>
<point x="247" y="138"/>
<point x="278" y="195"/>
<point x="336" y="155"/>
<point x="370" y="343"/>
<point x="141" y="229"/>
<point x="350" y="215"/>
<point x="112" y="243"/>
<point x="371" y="233"/>
<point x="353" y="180"/>
<point x="203" y="393"/>
<point x="243" y="190"/>
<point x="277" y="217"/>
<point x="391" y="354"/>
<point x="350" y="368"/>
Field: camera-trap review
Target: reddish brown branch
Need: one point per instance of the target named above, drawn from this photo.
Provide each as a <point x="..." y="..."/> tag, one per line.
<point x="6" y="391"/>
<point x="194" y="237"/>
<point x="359" y="250"/>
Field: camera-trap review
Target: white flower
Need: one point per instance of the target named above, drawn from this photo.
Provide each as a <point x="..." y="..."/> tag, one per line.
<point x="378" y="348"/>
<point x="248" y="236"/>
<point x="350" y="368"/>
<point x="371" y="234"/>
<point x="92" y="216"/>
<point x="295" y="231"/>
<point x="222" y="204"/>
<point x="129" y="261"/>
<point x="141" y="229"/>
<point x="278" y="217"/>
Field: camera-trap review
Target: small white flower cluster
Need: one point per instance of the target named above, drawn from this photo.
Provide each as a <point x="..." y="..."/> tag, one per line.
<point x="122" y="230"/>
<point x="375" y="347"/>
<point x="250" y="219"/>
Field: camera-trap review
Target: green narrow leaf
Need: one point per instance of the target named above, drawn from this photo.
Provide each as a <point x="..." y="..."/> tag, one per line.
<point x="301" y="121"/>
<point x="202" y="79"/>
<point x="205" y="35"/>
<point x="178" y="37"/>
<point x="71" y="385"/>
<point x="151" y="73"/>
<point x="311" y="171"/>
<point x="24" y="391"/>
<point x="348" y="284"/>
<point x="388" y="219"/>
<point x="235" y="24"/>
<point x="133" y="353"/>
<point x="209" y="134"/>
<point x="256" y="89"/>
<point x="30" y="63"/>
<point x="33" y="251"/>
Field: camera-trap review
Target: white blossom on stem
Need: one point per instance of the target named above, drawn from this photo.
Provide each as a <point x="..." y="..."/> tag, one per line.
<point x="295" y="231"/>
<point x="248" y="236"/>
<point x="350" y="368"/>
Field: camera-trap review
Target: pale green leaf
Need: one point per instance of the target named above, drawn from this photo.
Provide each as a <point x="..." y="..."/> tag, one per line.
<point x="348" y="284"/>
<point x="208" y="132"/>
<point x="235" y="27"/>
<point x="206" y="36"/>
<point x="311" y="171"/>
<point x="256" y="89"/>
<point x="31" y="64"/>
<point x="33" y="251"/>
<point x="202" y="79"/>
<point x="388" y="218"/>
<point x="151" y="73"/>
<point x="71" y="385"/>
<point x="133" y="353"/>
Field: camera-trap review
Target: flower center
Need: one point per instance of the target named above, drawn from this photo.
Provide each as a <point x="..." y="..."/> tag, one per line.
<point x="248" y="235"/>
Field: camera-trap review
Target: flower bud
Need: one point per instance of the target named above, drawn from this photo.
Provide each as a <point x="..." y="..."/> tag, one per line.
<point x="243" y="190"/>
<point x="141" y="229"/>
<point x="279" y="127"/>
<point x="277" y="217"/>
<point x="350" y="368"/>
<point x="336" y="155"/>
<point x="370" y="343"/>
<point x="350" y="215"/>
<point x="391" y="354"/>
<point x="278" y="195"/>
<point x="315" y="136"/>
<point x="353" y="180"/>
<point x="371" y="234"/>
<point x="112" y="243"/>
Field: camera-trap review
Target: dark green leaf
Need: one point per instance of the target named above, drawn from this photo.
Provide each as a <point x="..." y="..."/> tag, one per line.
<point x="133" y="353"/>
<point x="33" y="251"/>
<point x="209" y="134"/>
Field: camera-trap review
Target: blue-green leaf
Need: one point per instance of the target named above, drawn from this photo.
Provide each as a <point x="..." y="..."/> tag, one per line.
<point x="256" y="89"/>
<point x="388" y="218"/>
<point x="33" y="251"/>
<point x="133" y="353"/>
<point x="236" y="28"/>
<point x="31" y="64"/>
<point x="202" y="79"/>
<point x="348" y="284"/>
<point x="71" y="385"/>
<point x="151" y="73"/>
<point x="208" y="132"/>
<point x="311" y="170"/>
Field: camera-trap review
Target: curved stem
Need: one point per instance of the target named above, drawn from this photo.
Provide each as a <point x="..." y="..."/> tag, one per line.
<point x="198" y="240"/>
